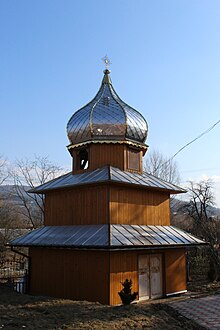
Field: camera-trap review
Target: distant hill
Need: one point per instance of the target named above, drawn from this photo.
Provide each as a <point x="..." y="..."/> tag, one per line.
<point x="176" y="205"/>
<point x="9" y="192"/>
<point x="13" y="211"/>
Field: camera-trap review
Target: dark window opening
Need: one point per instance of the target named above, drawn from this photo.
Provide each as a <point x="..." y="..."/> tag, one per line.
<point x="83" y="158"/>
<point x="134" y="160"/>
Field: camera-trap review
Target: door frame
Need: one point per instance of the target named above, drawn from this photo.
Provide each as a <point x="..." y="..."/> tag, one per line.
<point x="149" y="274"/>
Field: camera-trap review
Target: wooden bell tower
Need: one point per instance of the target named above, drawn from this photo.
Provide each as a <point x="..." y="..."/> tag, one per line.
<point x="107" y="219"/>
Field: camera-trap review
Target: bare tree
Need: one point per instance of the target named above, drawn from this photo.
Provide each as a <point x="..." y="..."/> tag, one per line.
<point x="3" y="170"/>
<point x="204" y="225"/>
<point x="160" y="166"/>
<point x="9" y="222"/>
<point x="28" y="174"/>
<point x="201" y="197"/>
<point x="5" y="216"/>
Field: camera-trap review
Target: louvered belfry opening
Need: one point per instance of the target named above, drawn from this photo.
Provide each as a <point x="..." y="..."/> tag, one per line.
<point x="107" y="219"/>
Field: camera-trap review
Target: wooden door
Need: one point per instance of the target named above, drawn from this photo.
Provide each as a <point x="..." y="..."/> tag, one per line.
<point x="143" y="265"/>
<point x="150" y="276"/>
<point x="155" y="276"/>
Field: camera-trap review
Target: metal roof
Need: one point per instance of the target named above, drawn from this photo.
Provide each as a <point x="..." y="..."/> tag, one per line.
<point x="107" y="117"/>
<point x="107" y="236"/>
<point x="108" y="174"/>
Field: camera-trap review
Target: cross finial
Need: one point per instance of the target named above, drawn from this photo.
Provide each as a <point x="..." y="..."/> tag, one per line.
<point x="107" y="61"/>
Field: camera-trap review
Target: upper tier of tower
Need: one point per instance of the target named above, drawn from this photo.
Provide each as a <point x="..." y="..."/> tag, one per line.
<point x="107" y="118"/>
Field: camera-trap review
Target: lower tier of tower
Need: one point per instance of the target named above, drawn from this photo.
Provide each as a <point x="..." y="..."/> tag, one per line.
<point x="96" y="275"/>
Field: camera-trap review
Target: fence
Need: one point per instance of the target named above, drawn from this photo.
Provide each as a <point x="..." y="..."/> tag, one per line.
<point x="198" y="264"/>
<point x="14" y="272"/>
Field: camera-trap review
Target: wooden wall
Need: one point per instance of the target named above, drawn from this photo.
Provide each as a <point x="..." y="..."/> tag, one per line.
<point x="125" y="265"/>
<point x="175" y="265"/>
<point x="77" y="275"/>
<point x="97" y="275"/>
<point x="101" y="204"/>
<point x="85" y="205"/>
<point x="139" y="206"/>
<point x="122" y="265"/>
<point x="107" y="154"/>
<point x="118" y="155"/>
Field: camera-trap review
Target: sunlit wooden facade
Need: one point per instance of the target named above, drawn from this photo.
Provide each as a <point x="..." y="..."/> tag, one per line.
<point x="103" y="204"/>
<point x="120" y="155"/>
<point x="95" y="273"/>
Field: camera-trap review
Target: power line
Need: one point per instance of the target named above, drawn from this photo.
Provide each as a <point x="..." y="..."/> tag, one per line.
<point x="201" y="169"/>
<point x="187" y="144"/>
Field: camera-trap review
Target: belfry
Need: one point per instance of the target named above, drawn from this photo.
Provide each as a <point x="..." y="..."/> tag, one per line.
<point x="107" y="220"/>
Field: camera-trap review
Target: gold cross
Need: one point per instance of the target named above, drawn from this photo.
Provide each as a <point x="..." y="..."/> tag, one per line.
<point x="107" y="61"/>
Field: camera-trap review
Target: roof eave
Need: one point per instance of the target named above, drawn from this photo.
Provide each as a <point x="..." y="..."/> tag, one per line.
<point x="108" y="141"/>
<point x="112" y="247"/>
<point x="111" y="182"/>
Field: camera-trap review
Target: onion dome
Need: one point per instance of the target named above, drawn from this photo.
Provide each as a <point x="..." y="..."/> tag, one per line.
<point x="107" y="118"/>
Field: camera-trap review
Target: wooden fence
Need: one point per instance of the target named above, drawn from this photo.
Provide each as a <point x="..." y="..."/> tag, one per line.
<point x="14" y="272"/>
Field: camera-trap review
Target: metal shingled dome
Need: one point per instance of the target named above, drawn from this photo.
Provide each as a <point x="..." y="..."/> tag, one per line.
<point x="107" y="117"/>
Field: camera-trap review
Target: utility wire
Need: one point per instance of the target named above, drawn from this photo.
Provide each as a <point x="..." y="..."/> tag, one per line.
<point x="202" y="169"/>
<point x="187" y="144"/>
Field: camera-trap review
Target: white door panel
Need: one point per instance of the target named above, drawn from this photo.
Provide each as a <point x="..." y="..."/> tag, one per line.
<point x="156" y="276"/>
<point x="150" y="276"/>
<point x="143" y="277"/>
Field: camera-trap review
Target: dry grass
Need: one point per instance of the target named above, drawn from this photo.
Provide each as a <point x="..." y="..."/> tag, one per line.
<point x="28" y="312"/>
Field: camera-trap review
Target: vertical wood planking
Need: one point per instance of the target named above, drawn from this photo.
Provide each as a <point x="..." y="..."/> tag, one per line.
<point x="175" y="265"/>
<point x="90" y="205"/>
<point x="77" y="275"/>
<point x="122" y="265"/>
<point x="107" y="154"/>
<point x="137" y="206"/>
<point x="87" y="205"/>
<point x="70" y="274"/>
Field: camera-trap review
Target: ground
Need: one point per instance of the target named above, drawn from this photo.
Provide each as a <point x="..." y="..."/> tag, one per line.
<point x="19" y="311"/>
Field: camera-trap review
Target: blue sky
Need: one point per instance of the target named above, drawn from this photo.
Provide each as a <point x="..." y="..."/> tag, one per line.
<point x="165" y="62"/>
